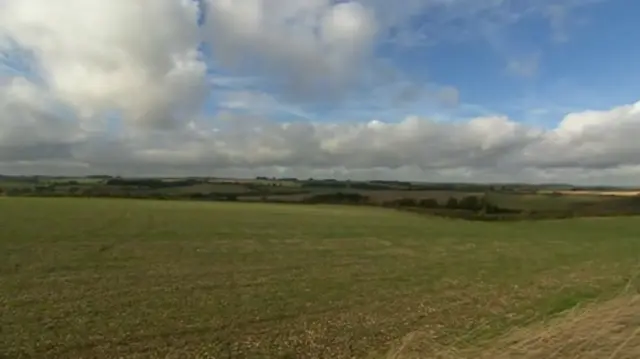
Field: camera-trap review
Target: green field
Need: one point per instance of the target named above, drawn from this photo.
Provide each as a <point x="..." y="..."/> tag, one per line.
<point x="546" y="202"/>
<point x="89" y="278"/>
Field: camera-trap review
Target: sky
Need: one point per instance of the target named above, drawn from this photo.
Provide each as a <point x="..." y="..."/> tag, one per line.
<point x="534" y="91"/>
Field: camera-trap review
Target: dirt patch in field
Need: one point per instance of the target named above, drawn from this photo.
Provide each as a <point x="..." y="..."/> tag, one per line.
<point x="609" y="330"/>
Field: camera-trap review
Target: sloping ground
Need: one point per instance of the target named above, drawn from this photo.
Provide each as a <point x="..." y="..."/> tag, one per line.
<point x="609" y="330"/>
<point x="605" y="331"/>
<point x="103" y="279"/>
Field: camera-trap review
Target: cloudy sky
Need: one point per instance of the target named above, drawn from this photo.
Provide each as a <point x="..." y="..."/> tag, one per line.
<point x="430" y="90"/>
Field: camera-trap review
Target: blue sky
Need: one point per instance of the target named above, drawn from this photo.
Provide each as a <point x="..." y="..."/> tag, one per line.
<point x="531" y="69"/>
<point x="430" y="90"/>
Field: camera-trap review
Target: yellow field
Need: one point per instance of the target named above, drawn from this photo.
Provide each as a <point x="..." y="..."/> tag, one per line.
<point x="596" y="193"/>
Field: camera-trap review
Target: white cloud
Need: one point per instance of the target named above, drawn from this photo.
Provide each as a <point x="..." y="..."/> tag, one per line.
<point x="313" y="47"/>
<point x="138" y="57"/>
<point x="32" y="124"/>
<point x="84" y="63"/>
<point x="595" y="144"/>
<point x="255" y="102"/>
<point x="592" y="140"/>
<point x="320" y="48"/>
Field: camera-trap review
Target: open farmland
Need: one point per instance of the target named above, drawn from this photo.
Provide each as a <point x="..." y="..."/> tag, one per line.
<point x="108" y="278"/>
<point x="602" y="193"/>
<point x="546" y="201"/>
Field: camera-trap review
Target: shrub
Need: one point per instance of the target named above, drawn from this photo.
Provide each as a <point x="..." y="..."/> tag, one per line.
<point x="452" y="203"/>
<point x="429" y="203"/>
<point x="339" y="198"/>
<point x="406" y="202"/>
<point x="471" y="203"/>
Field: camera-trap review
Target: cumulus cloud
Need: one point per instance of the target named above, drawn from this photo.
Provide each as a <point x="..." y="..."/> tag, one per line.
<point x="32" y="124"/>
<point x="591" y="140"/>
<point x="137" y="57"/>
<point x="116" y="86"/>
<point x="313" y="47"/>
<point x="256" y="102"/>
<point x="582" y="146"/>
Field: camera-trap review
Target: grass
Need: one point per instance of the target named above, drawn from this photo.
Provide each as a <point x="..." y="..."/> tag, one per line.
<point x="606" y="330"/>
<point x="609" y="330"/>
<point x="4" y="184"/>
<point x="207" y="188"/>
<point x="88" y="278"/>
<point x="545" y="202"/>
<point x="379" y="196"/>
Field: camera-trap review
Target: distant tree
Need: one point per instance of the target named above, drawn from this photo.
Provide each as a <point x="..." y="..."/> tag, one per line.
<point x="452" y="203"/>
<point x="471" y="203"/>
<point x="406" y="202"/>
<point x="429" y="203"/>
<point x="338" y="197"/>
